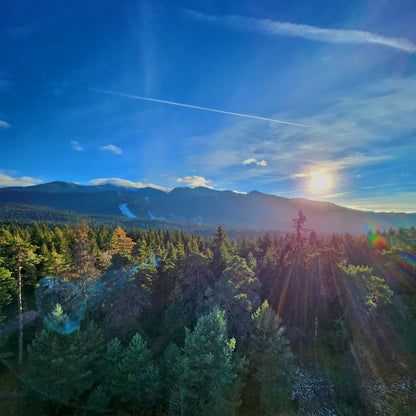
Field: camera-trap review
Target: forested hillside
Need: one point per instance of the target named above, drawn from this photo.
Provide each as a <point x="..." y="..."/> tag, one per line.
<point x="113" y="321"/>
<point x="185" y="208"/>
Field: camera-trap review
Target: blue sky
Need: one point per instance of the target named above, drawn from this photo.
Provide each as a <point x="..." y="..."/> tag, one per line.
<point x="73" y="77"/>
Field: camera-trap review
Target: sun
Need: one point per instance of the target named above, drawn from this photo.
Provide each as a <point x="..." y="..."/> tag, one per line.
<point x="319" y="182"/>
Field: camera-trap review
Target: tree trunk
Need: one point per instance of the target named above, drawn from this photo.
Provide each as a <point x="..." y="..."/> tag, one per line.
<point x="20" y="306"/>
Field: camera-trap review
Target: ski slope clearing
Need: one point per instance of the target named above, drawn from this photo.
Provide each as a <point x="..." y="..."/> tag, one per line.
<point x="125" y="211"/>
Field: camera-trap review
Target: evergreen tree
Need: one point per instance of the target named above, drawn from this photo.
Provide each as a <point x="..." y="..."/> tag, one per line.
<point x="237" y="293"/>
<point x="297" y="224"/>
<point x="174" y="321"/>
<point x="221" y="251"/>
<point x="61" y="368"/>
<point x="138" y="380"/>
<point x="104" y="238"/>
<point x="21" y="260"/>
<point x="141" y="250"/>
<point x="7" y="288"/>
<point x="197" y="277"/>
<point x="251" y="261"/>
<point x="206" y="371"/>
<point x="108" y="365"/>
<point x="58" y="264"/>
<point x="51" y="263"/>
<point x="61" y="245"/>
<point x="98" y="402"/>
<point x="272" y="361"/>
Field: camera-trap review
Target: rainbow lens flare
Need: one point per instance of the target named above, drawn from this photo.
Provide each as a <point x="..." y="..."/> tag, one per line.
<point x="377" y="240"/>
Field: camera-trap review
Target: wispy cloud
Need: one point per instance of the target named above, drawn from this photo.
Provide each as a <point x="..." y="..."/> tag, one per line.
<point x="125" y="183"/>
<point x="255" y="162"/>
<point x="335" y="195"/>
<point x="369" y="130"/>
<point x="4" y="124"/>
<point x="197" y="107"/>
<point x="6" y="180"/>
<point x="400" y="202"/>
<point x="194" y="181"/>
<point x="309" y="32"/>
<point x="76" y="146"/>
<point x="112" y="148"/>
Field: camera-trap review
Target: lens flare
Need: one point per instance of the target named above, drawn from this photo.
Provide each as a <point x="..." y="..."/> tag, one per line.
<point x="377" y="240"/>
<point x="404" y="254"/>
<point x="72" y="300"/>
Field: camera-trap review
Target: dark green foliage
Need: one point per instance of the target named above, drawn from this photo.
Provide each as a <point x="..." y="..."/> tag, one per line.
<point x="271" y="360"/>
<point x="29" y="214"/>
<point x="205" y="370"/>
<point x="20" y="258"/>
<point x="127" y="379"/>
<point x="347" y="305"/>
<point x="7" y="288"/>
<point x="18" y="252"/>
<point x="236" y="292"/>
<point x="98" y="402"/>
<point x="197" y="278"/>
<point x="60" y="368"/>
<point x="221" y="250"/>
<point x="137" y="378"/>
<point x="174" y="322"/>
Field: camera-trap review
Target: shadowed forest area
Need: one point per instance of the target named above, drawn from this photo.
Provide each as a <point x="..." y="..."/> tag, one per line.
<point x="113" y="321"/>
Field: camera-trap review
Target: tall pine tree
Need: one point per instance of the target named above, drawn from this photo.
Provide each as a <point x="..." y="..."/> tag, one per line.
<point x="206" y="371"/>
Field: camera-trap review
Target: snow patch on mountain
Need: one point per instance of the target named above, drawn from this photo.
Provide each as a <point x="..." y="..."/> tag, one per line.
<point x="125" y="211"/>
<point x="154" y="217"/>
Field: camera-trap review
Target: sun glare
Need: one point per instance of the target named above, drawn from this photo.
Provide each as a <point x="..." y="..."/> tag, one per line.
<point x="319" y="182"/>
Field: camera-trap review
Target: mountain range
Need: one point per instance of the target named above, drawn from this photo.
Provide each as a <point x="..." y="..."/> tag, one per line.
<point x="199" y="206"/>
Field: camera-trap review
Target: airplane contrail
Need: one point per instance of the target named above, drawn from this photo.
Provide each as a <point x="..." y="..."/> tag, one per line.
<point x="196" y="107"/>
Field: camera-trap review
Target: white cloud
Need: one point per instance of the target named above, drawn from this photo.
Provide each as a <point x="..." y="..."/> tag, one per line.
<point x="6" y="180"/>
<point x="367" y="128"/>
<point x="249" y="161"/>
<point x="256" y="162"/>
<point x="4" y="124"/>
<point x="125" y="183"/>
<point x="194" y="181"/>
<point x="299" y="175"/>
<point x="310" y="32"/>
<point x="111" y="148"/>
<point x="76" y="146"/>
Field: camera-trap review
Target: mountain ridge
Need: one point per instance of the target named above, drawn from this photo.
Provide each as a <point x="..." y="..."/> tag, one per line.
<point x="203" y="206"/>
